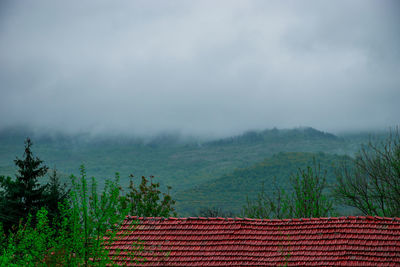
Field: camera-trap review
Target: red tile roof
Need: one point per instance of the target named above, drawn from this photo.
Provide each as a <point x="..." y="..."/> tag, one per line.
<point x="357" y="241"/>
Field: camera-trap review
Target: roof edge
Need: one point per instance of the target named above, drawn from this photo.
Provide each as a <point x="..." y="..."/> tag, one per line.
<point x="374" y="218"/>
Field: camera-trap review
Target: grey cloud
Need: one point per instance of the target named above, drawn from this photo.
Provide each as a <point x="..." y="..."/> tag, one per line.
<point x="199" y="67"/>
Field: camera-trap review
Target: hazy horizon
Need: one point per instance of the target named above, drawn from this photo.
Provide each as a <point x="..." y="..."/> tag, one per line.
<point x="199" y="68"/>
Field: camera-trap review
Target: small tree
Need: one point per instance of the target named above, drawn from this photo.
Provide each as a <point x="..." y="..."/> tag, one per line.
<point x="91" y="219"/>
<point x="147" y="200"/>
<point x="372" y="183"/>
<point x="307" y="199"/>
<point x="24" y="195"/>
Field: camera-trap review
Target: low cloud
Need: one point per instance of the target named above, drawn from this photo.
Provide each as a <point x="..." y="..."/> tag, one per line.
<point x="199" y="67"/>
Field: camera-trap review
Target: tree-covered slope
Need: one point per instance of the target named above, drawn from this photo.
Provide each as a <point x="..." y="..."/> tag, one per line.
<point x="229" y="192"/>
<point x="173" y="161"/>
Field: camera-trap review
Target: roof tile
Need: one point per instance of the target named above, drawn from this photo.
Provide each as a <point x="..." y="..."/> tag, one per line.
<point x="199" y="241"/>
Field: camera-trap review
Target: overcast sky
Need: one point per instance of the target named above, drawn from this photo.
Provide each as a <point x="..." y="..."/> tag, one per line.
<point x="199" y="67"/>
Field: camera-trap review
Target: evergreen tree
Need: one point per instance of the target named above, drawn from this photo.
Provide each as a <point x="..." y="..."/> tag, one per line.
<point x="55" y="193"/>
<point x="24" y="195"/>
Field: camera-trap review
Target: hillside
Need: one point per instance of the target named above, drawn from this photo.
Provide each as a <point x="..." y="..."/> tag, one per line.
<point x="229" y="192"/>
<point x="181" y="163"/>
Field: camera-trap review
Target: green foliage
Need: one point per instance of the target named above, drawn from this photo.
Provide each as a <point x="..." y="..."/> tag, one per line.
<point x="307" y="198"/>
<point x="24" y="195"/>
<point x="90" y="216"/>
<point x="372" y="185"/>
<point x="28" y="245"/>
<point x="147" y="200"/>
<point x="86" y="226"/>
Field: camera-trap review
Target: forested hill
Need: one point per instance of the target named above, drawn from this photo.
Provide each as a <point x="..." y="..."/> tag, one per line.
<point x="229" y="192"/>
<point x="173" y="160"/>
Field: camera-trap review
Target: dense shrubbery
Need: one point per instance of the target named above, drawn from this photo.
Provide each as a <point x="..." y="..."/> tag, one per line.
<point x="76" y="237"/>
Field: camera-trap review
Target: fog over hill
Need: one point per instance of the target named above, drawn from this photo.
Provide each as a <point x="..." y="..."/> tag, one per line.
<point x="190" y="166"/>
<point x="170" y="157"/>
<point x="198" y="68"/>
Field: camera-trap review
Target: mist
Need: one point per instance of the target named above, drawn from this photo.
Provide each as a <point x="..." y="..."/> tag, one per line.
<point x="199" y="68"/>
